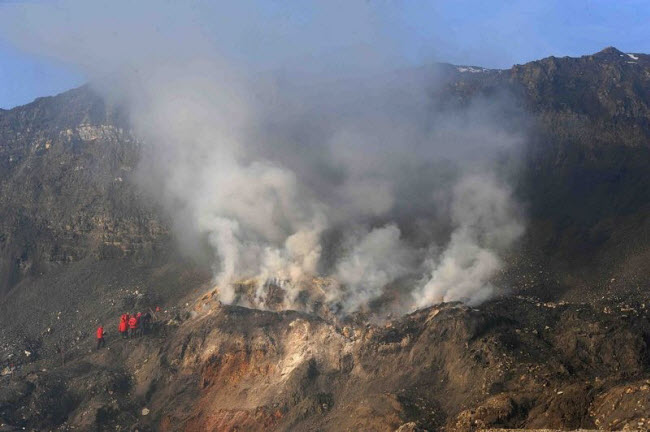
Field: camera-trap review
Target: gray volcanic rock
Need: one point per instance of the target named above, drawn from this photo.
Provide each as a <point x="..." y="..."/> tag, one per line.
<point x="512" y="363"/>
<point x="65" y="192"/>
<point x="585" y="179"/>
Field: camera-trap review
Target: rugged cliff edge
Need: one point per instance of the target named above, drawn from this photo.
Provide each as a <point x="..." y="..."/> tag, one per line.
<point x="514" y="362"/>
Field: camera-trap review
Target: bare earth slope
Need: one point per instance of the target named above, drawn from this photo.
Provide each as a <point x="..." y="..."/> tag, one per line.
<point x="511" y="363"/>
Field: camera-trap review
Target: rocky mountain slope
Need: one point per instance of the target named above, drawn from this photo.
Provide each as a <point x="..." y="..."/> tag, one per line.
<point x="567" y="349"/>
<point x="585" y="178"/>
<point x="65" y="190"/>
<point x="511" y="363"/>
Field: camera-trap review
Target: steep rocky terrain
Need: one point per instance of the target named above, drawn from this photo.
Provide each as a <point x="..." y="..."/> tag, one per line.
<point x="65" y="190"/>
<point x="511" y="363"/>
<point x="568" y="348"/>
<point x="586" y="180"/>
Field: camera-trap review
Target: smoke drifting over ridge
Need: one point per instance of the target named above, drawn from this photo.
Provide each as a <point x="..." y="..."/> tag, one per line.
<point x="315" y="159"/>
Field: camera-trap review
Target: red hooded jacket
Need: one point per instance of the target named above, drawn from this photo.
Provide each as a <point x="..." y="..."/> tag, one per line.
<point x="123" y="324"/>
<point x="100" y="332"/>
<point x="133" y="322"/>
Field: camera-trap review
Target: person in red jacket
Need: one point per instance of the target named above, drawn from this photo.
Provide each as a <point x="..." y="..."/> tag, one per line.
<point x="124" y="326"/>
<point x="133" y="325"/>
<point x="100" y="337"/>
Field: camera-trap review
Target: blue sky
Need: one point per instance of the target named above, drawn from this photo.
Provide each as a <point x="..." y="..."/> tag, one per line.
<point x="475" y="32"/>
<point x="24" y="77"/>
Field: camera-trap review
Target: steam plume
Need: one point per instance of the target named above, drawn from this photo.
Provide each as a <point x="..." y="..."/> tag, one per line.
<point x="345" y="168"/>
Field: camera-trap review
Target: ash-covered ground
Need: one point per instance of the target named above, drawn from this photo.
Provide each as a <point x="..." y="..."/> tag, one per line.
<point x="513" y="362"/>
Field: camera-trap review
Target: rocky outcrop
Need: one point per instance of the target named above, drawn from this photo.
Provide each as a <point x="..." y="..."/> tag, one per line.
<point x="584" y="179"/>
<point x="512" y="363"/>
<point x="66" y="189"/>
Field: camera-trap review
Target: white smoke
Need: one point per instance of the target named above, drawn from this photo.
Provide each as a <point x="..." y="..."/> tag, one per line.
<point x="375" y="260"/>
<point x="486" y="224"/>
<point x="345" y="168"/>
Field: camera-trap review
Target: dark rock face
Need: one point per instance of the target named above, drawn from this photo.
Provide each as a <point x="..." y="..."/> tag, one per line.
<point x="585" y="178"/>
<point x="79" y="246"/>
<point x="65" y="193"/>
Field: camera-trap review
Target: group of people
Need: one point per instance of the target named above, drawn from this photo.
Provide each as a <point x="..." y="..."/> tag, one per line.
<point x="134" y="325"/>
<point x="131" y="326"/>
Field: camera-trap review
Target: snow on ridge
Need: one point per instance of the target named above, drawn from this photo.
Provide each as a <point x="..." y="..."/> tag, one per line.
<point x="632" y="56"/>
<point x="470" y="69"/>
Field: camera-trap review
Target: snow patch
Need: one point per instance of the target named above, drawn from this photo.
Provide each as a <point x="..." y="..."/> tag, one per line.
<point x="470" y="69"/>
<point x="633" y="57"/>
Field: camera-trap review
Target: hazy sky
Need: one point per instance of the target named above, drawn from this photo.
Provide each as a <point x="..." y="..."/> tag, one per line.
<point x="476" y="32"/>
